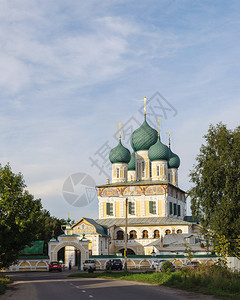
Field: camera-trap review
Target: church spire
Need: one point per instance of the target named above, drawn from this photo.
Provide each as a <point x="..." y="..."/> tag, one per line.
<point x="158" y="126"/>
<point x="169" y="141"/>
<point x="145" y="106"/>
<point x="120" y="130"/>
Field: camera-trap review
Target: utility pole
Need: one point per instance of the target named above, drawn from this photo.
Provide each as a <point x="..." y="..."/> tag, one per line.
<point x="126" y="236"/>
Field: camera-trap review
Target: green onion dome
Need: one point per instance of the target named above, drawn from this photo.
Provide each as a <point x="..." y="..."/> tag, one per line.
<point x="131" y="165"/>
<point x="174" y="160"/>
<point x="119" y="154"/>
<point x="143" y="137"/>
<point x="158" y="151"/>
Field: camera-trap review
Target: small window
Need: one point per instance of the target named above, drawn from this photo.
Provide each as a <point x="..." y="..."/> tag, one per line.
<point x="110" y="209"/>
<point x="179" y="231"/>
<point x="170" y="208"/>
<point x="167" y="232"/>
<point x="156" y="234"/>
<point x="132" y="234"/>
<point x="152" y="207"/>
<point x="120" y="235"/>
<point x="145" y="234"/>
<point x="143" y="168"/>
<point x="150" y="168"/>
<point x="179" y="211"/>
<point x="162" y="170"/>
<point x="131" y="208"/>
<point x="175" y="209"/>
<point x="118" y="173"/>
<point x="158" y="171"/>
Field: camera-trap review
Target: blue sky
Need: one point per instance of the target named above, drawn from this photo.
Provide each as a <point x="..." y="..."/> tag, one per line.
<point x="71" y="70"/>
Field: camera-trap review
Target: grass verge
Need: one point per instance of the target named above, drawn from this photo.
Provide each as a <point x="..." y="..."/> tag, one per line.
<point x="3" y="283"/>
<point x="213" y="280"/>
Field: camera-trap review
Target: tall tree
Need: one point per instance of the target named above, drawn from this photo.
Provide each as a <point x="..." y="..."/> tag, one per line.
<point x="215" y="195"/>
<point x="49" y="226"/>
<point x="19" y="215"/>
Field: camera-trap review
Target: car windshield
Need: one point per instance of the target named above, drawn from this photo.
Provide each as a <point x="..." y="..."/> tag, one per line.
<point x="54" y="263"/>
<point x="117" y="260"/>
<point x="89" y="261"/>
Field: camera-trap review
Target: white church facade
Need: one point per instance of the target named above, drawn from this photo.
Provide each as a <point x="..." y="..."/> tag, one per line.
<point x="148" y="180"/>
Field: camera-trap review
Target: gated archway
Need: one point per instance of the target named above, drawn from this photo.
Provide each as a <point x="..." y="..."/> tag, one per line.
<point x="82" y="246"/>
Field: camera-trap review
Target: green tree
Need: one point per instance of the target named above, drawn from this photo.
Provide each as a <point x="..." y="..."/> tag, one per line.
<point x="19" y="212"/>
<point x="215" y="195"/>
<point x="222" y="249"/>
<point x="50" y="226"/>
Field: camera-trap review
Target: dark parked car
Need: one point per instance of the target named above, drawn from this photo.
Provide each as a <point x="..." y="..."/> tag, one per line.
<point x="192" y="265"/>
<point x="55" y="265"/>
<point x="114" y="264"/>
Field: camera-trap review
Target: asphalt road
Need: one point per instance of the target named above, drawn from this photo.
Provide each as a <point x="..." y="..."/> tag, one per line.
<point x="58" y="286"/>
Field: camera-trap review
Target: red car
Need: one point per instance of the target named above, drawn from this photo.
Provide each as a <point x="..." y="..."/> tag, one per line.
<point x="55" y="265"/>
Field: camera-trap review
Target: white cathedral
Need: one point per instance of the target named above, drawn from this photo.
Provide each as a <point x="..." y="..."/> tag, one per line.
<point x="157" y="220"/>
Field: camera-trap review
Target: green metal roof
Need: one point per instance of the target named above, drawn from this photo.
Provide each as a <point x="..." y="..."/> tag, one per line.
<point x="191" y="219"/>
<point x="143" y="137"/>
<point x="69" y="234"/>
<point x="174" y="160"/>
<point x="131" y="165"/>
<point x="158" y="151"/>
<point x="132" y="221"/>
<point x="119" y="154"/>
<point x="99" y="229"/>
<point x="35" y="248"/>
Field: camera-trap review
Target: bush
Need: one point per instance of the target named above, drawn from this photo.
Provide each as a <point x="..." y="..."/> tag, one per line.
<point x="3" y="282"/>
<point x="167" y="266"/>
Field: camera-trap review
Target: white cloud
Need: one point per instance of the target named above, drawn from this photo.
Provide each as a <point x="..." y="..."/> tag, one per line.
<point x="71" y="71"/>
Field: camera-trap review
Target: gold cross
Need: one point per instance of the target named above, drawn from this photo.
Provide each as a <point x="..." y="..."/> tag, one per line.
<point x="120" y="133"/>
<point x="68" y="215"/>
<point x="145" y="104"/>
<point x="158" y="125"/>
<point x="169" y="132"/>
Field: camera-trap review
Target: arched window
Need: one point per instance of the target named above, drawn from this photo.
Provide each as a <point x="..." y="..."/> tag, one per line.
<point x="167" y="232"/>
<point x="120" y="235"/>
<point x="156" y="234"/>
<point x="145" y="234"/>
<point x="132" y="234"/>
<point x="179" y="231"/>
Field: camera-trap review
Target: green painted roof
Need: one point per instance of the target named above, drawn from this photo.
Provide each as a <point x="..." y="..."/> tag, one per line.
<point x="131" y="165"/>
<point x="143" y="137"/>
<point x="99" y="229"/>
<point x="35" y="248"/>
<point x="158" y="151"/>
<point x="119" y="154"/>
<point x="174" y="160"/>
<point x="191" y="219"/>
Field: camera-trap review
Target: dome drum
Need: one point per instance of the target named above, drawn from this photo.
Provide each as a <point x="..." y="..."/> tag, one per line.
<point x="159" y="170"/>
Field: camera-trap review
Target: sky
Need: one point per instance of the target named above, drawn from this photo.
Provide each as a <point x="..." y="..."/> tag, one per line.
<point x="72" y="70"/>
